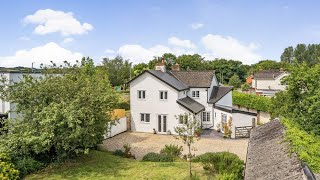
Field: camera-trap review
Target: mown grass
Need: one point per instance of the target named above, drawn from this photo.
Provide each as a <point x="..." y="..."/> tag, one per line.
<point x="104" y="165"/>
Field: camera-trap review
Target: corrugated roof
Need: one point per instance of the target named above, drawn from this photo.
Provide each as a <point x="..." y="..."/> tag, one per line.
<point x="194" y="78"/>
<point x="218" y="92"/>
<point x="190" y="104"/>
<point x="268" y="156"/>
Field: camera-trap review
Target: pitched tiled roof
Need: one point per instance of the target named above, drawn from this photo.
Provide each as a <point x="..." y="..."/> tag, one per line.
<point x="267" y="74"/>
<point x="194" y="78"/>
<point x="218" y="92"/>
<point x="190" y="104"/>
<point x="166" y="78"/>
<point x="268" y="156"/>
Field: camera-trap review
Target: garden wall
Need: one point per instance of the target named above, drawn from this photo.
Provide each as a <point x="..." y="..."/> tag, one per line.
<point x="116" y="127"/>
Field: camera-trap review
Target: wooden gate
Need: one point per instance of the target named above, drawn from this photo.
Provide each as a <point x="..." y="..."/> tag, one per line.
<point x="242" y="131"/>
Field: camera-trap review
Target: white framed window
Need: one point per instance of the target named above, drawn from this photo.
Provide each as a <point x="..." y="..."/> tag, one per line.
<point x="206" y="116"/>
<point x="195" y="94"/>
<point x="163" y="95"/>
<point x="183" y="119"/>
<point x="141" y="94"/>
<point x="144" y="117"/>
<point x="223" y="118"/>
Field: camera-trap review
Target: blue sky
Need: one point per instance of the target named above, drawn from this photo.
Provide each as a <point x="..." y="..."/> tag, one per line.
<point x="40" y="31"/>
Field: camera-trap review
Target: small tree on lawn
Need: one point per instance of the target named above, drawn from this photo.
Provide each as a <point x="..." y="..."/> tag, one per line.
<point x="186" y="132"/>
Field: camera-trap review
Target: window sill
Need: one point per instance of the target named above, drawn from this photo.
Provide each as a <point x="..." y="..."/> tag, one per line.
<point x="144" y="122"/>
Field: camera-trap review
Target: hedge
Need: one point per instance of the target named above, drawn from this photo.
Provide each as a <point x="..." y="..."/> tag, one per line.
<point x="251" y="101"/>
<point x="305" y="145"/>
<point x="156" y="157"/>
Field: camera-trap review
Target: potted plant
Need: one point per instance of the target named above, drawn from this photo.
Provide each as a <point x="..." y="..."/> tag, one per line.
<point x="197" y="131"/>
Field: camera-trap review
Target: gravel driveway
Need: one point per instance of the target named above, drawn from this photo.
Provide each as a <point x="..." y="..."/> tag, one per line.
<point x="143" y="143"/>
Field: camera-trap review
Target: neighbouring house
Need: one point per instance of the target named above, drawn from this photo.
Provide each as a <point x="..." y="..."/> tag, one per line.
<point x="268" y="82"/>
<point x="158" y="97"/>
<point x="14" y="75"/>
<point x="269" y="156"/>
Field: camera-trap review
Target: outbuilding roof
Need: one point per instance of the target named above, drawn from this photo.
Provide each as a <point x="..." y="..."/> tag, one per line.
<point x="190" y="104"/>
<point x="268" y="155"/>
<point x="218" y="92"/>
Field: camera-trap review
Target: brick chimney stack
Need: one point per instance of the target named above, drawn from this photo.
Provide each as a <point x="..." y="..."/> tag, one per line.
<point x="161" y="66"/>
<point x="176" y="67"/>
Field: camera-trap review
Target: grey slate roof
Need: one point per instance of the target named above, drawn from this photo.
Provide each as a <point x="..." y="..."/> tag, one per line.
<point x="267" y="74"/>
<point x="166" y="78"/>
<point x="190" y="104"/>
<point x="194" y="78"/>
<point x="268" y="156"/>
<point x="218" y="92"/>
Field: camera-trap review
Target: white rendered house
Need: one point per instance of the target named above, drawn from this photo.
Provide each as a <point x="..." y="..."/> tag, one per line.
<point x="268" y="82"/>
<point x="158" y="97"/>
<point x="13" y="76"/>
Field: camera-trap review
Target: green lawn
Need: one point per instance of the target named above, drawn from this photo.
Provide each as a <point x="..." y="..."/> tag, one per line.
<point x="103" y="165"/>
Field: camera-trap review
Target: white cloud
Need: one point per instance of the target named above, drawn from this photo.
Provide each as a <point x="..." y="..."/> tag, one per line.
<point x="138" y="54"/>
<point x="110" y="51"/>
<point x="181" y="43"/>
<point x="230" y="48"/>
<point x="41" y="54"/>
<point x="67" y="40"/>
<point x="213" y="46"/>
<point x="51" y="21"/>
<point x="196" y="26"/>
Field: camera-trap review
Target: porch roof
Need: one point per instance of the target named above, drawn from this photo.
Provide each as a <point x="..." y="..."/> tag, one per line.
<point x="190" y="104"/>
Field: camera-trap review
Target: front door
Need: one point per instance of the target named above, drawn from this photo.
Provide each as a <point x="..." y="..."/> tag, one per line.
<point x="162" y="123"/>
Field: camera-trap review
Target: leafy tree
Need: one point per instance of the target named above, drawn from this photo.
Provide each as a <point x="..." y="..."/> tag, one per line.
<point x="190" y="62"/>
<point x="139" y="68"/>
<point x="300" y="102"/>
<point x="245" y="87"/>
<point x="287" y="55"/>
<point x="235" y="81"/>
<point x="118" y="70"/>
<point x="299" y="52"/>
<point x="7" y="170"/>
<point x="225" y="69"/>
<point x="62" y="114"/>
<point x="186" y="133"/>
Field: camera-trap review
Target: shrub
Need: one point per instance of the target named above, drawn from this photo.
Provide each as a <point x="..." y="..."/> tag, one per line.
<point x="127" y="152"/>
<point x="7" y="169"/>
<point x="27" y="165"/>
<point x="171" y="150"/>
<point x="221" y="162"/>
<point x="124" y="105"/>
<point x="118" y="152"/>
<point x="156" y="157"/>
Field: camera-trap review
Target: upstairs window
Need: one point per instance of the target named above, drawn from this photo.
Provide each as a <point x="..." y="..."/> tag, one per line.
<point x="145" y="117"/>
<point x="141" y="94"/>
<point x="195" y="94"/>
<point x="206" y="116"/>
<point x="163" y="95"/>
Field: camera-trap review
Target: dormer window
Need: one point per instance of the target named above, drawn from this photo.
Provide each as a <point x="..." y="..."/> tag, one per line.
<point x="141" y="94"/>
<point x="195" y="94"/>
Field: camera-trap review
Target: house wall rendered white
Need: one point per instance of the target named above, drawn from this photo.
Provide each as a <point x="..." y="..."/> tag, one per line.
<point x="203" y="99"/>
<point x="153" y="105"/>
<point x="274" y="84"/>
<point x="8" y="107"/>
<point x="217" y="113"/>
<point x="226" y="100"/>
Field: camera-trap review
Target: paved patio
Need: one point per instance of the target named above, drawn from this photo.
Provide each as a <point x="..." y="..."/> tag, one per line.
<point x="143" y="143"/>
